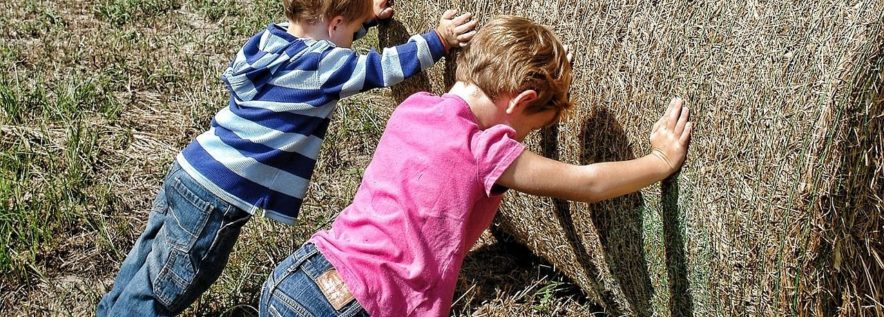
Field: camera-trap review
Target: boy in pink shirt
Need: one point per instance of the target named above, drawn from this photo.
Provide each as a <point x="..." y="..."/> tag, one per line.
<point x="438" y="176"/>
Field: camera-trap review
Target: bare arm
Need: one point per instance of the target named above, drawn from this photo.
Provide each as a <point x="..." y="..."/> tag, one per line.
<point x="537" y="175"/>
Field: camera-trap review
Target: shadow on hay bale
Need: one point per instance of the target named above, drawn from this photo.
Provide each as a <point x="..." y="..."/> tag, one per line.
<point x="603" y="139"/>
<point x="618" y="221"/>
<point x="676" y="261"/>
<point x="780" y="208"/>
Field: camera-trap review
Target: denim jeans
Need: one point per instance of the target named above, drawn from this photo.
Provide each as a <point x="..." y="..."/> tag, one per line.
<point x="185" y="246"/>
<point x="298" y="287"/>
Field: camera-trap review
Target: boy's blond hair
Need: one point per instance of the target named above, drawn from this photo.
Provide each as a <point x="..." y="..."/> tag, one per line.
<point x="310" y="11"/>
<point x="512" y="54"/>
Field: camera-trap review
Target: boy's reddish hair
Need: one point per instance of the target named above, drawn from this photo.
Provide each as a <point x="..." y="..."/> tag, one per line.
<point x="512" y="54"/>
<point x="310" y="11"/>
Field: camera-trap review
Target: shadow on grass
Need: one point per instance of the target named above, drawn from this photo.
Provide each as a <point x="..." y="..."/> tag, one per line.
<point x="509" y="272"/>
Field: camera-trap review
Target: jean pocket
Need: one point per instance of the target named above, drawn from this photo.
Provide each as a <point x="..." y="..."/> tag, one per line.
<point x="187" y="214"/>
<point x="198" y="240"/>
<point x="190" y="270"/>
<point x="174" y="279"/>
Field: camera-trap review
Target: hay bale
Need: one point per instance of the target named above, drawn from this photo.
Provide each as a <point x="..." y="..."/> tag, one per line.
<point x="779" y="208"/>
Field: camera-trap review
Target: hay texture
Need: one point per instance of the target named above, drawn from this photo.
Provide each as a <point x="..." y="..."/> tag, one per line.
<point x="779" y="207"/>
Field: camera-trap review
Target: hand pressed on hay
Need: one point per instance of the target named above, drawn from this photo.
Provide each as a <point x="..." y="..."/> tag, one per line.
<point x="456" y="31"/>
<point x="671" y="135"/>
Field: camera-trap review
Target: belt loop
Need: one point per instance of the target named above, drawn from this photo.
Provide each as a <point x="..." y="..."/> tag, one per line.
<point x="291" y="269"/>
<point x="303" y="259"/>
<point x="227" y="211"/>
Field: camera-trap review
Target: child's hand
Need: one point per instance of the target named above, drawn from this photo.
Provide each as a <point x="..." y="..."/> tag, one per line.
<point x="671" y="135"/>
<point x="383" y="9"/>
<point x="456" y="31"/>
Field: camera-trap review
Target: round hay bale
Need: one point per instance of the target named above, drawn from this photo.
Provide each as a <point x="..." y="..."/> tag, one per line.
<point x="779" y="207"/>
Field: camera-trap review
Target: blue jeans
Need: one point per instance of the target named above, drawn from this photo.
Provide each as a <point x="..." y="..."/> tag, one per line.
<point x="183" y="250"/>
<point x="305" y="284"/>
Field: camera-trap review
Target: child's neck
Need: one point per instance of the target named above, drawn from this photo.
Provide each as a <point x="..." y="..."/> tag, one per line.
<point x="314" y="31"/>
<point x="487" y="112"/>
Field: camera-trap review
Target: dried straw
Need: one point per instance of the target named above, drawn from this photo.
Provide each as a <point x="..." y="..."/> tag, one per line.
<point x="779" y="208"/>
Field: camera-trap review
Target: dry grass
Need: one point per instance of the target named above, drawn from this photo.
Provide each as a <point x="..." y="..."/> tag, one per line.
<point x="95" y="101"/>
<point x="778" y="210"/>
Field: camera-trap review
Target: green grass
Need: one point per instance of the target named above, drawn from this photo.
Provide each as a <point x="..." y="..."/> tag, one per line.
<point x="52" y="118"/>
<point x="65" y="101"/>
<point x="120" y="12"/>
<point x="39" y="19"/>
<point x="11" y="105"/>
<point x="97" y="100"/>
<point x="47" y="191"/>
<point x="214" y="10"/>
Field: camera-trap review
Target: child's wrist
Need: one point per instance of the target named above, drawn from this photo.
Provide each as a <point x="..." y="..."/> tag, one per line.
<point x="660" y="156"/>
<point x="442" y="40"/>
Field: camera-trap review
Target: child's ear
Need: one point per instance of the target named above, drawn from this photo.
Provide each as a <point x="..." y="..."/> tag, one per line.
<point x="334" y="24"/>
<point x="522" y="100"/>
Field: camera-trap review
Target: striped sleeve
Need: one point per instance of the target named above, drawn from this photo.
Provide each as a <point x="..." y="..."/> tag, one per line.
<point x="348" y="72"/>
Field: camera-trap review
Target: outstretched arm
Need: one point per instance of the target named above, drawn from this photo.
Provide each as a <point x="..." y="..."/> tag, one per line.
<point x="535" y="174"/>
<point x="351" y="73"/>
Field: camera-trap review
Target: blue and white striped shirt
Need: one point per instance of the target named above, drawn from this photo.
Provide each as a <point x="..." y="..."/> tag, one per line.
<point x="261" y="149"/>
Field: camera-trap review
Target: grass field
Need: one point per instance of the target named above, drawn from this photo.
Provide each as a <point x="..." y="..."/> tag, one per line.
<point x="97" y="97"/>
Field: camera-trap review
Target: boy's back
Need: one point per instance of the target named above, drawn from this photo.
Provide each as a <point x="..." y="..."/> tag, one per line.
<point x="260" y="151"/>
<point x="432" y="174"/>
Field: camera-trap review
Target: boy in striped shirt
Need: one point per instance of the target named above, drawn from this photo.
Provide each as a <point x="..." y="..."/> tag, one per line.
<point x="259" y="154"/>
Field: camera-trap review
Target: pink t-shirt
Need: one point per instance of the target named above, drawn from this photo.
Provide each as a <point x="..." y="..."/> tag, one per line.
<point x="425" y="199"/>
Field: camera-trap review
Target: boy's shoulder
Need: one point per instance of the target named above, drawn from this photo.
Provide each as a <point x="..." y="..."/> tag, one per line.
<point x="286" y="49"/>
<point x="422" y="97"/>
<point x="447" y="111"/>
<point x="276" y="38"/>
